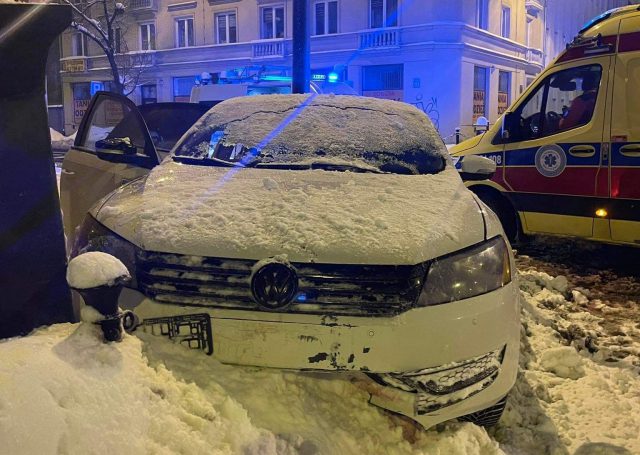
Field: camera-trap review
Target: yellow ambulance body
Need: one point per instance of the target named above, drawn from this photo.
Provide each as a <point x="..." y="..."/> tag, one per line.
<point x="567" y="152"/>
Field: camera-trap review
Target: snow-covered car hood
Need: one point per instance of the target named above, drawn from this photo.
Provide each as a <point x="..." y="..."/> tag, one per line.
<point x="311" y="216"/>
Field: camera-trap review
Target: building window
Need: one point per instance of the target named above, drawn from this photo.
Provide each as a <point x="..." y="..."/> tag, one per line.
<point x="184" y="32"/>
<point x="482" y="14"/>
<point x="272" y="22"/>
<point x="383" y="13"/>
<point x="504" y="91"/>
<point x="182" y="88"/>
<point x="325" y="17"/>
<point x="506" y="22"/>
<point x="148" y="37"/>
<point x="383" y="81"/>
<point x="117" y="40"/>
<point x="149" y="93"/>
<point x="78" y="44"/>
<point x="479" y="92"/>
<point x="226" y="28"/>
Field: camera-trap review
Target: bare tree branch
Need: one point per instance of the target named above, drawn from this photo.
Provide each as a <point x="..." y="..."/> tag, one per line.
<point x="126" y="68"/>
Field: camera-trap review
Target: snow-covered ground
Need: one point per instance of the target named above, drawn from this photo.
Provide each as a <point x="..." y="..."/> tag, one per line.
<point x="62" y="391"/>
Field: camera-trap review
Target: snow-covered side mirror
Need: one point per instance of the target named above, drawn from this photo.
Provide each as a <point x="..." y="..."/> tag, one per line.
<point x="99" y="278"/>
<point x="474" y="167"/>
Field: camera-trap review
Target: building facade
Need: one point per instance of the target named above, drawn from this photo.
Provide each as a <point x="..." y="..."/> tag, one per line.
<point x="457" y="60"/>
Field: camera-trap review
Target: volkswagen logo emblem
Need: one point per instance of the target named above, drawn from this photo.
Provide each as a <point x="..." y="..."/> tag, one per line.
<point x="274" y="286"/>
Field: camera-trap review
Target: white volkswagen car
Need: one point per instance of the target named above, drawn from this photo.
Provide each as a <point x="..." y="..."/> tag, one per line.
<point x="307" y="232"/>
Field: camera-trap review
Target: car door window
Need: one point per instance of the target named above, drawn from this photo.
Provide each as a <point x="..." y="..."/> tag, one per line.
<point x="110" y="119"/>
<point x="563" y="101"/>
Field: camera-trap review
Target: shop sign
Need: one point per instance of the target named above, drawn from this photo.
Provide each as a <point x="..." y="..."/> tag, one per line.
<point x="478" y="104"/>
<point x="74" y="66"/>
<point x="503" y="102"/>
<point x="79" y="108"/>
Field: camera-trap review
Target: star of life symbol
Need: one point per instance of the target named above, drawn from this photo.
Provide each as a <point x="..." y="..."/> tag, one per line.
<point x="550" y="160"/>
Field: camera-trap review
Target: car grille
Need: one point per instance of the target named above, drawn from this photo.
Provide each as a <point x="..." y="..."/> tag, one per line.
<point x="443" y="386"/>
<point x="372" y="290"/>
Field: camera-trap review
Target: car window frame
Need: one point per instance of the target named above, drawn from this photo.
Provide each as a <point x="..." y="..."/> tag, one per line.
<point x="83" y="130"/>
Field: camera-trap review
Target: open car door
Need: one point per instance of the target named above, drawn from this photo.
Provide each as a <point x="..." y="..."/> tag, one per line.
<point x="117" y="142"/>
<point x="112" y="123"/>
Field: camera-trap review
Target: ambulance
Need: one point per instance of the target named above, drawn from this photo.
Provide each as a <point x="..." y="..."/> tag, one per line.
<point x="567" y="152"/>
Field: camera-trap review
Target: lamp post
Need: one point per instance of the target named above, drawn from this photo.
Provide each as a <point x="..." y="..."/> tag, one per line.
<point x="301" y="48"/>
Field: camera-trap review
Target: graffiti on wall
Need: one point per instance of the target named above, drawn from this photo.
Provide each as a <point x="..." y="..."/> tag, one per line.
<point x="429" y="107"/>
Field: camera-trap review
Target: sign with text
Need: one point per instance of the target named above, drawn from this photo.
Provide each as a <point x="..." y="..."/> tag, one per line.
<point x="478" y="104"/>
<point x="79" y="108"/>
<point x="503" y="102"/>
<point x="77" y="65"/>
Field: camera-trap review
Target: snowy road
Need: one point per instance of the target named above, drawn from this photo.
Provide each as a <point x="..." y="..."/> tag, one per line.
<point x="578" y="391"/>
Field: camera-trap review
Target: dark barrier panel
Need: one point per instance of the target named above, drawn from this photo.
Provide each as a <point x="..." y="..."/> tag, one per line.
<point x="33" y="290"/>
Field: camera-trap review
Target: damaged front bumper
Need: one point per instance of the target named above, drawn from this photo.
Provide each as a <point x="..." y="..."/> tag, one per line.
<point x="431" y="364"/>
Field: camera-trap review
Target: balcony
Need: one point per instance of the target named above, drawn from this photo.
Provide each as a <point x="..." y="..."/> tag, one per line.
<point x="534" y="7"/>
<point x="274" y="48"/>
<point x="139" y="5"/>
<point x="535" y="56"/>
<point x="379" y="38"/>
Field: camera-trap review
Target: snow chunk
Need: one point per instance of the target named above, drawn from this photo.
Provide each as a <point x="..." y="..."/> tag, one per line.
<point x="579" y="298"/>
<point x="90" y="270"/>
<point x="563" y="361"/>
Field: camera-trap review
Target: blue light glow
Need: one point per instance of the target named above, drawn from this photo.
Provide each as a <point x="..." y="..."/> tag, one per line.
<point x="301" y="297"/>
<point x="333" y="77"/>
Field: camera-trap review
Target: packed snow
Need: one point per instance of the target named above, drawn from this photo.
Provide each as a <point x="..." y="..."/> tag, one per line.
<point x="60" y="142"/>
<point x="90" y="270"/>
<point x="310" y="215"/>
<point x="148" y="395"/>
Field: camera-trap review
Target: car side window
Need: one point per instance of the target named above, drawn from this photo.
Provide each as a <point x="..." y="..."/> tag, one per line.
<point x="112" y="119"/>
<point x="563" y="101"/>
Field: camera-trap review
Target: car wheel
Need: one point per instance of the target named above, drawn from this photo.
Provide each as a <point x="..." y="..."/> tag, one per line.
<point x="486" y="417"/>
<point x="506" y="214"/>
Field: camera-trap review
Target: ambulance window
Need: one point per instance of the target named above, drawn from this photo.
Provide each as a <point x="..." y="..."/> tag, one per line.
<point x="572" y="98"/>
<point x="563" y="101"/>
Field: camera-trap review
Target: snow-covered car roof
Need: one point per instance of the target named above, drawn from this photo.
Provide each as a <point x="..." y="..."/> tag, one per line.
<point x="295" y="128"/>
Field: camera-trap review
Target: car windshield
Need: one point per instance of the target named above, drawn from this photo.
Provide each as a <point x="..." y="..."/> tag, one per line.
<point x="339" y="133"/>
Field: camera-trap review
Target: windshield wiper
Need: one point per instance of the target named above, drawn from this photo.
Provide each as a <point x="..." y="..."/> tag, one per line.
<point x="203" y="161"/>
<point x="320" y="165"/>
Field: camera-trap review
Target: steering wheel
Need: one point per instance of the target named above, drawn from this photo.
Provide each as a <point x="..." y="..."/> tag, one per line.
<point x="553" y="121"/>
<point x="553" y="116"/>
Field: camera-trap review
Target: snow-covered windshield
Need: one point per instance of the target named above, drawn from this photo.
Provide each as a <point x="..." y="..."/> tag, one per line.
<point x="315" y="131"/>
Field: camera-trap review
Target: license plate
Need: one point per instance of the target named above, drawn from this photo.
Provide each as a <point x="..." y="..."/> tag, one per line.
<point x="191" y="330"/>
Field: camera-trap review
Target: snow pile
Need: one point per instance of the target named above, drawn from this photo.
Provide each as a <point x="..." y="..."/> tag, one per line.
<point x="311" y="216"/>
<point x="90" y="270"/>
<point x="60" y="142"/>
<point x="568" y="399"/>
<point x="63" y="391"/>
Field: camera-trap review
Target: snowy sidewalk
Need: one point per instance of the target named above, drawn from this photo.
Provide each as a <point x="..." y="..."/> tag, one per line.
<point x="61" y="391"/>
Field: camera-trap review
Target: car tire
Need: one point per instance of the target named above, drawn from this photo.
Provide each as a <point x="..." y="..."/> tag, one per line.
<point x="487" y="417"/>
<point x="506" y="214"/>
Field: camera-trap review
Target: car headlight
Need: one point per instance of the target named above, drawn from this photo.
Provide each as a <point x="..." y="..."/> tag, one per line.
<point x="474" y="271"/>
<point x="93" y="236"/>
